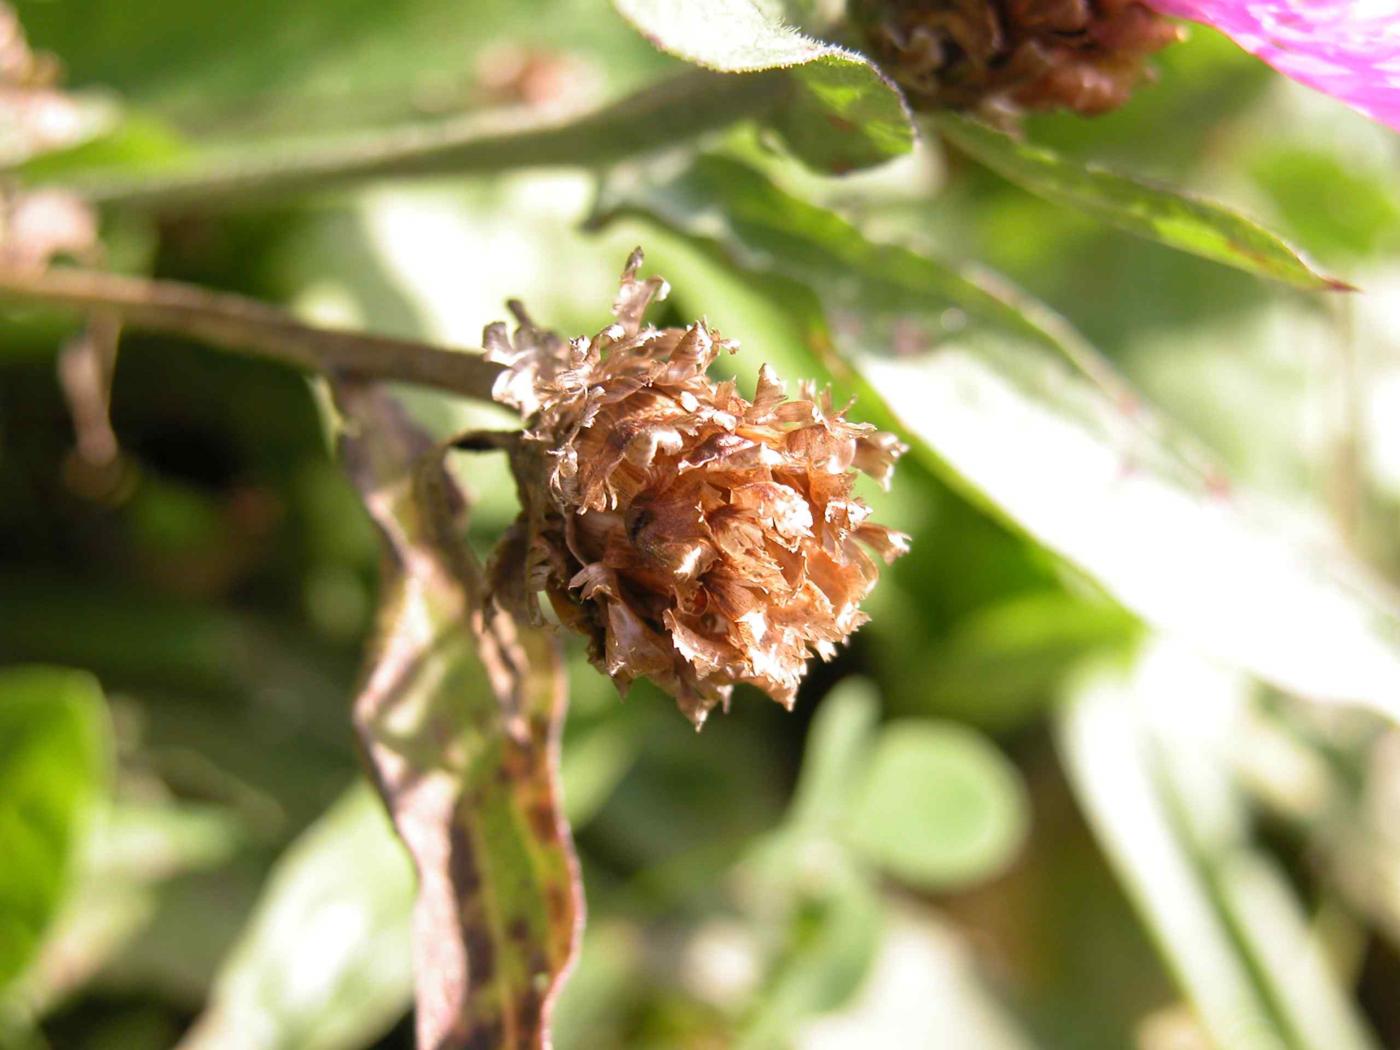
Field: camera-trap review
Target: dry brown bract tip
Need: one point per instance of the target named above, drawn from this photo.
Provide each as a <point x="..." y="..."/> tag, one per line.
<point x="697" y="538"/>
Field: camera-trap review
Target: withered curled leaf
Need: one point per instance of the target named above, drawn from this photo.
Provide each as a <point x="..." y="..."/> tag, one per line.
<point x="459" y="718"/>
<point x="696" y="537"/>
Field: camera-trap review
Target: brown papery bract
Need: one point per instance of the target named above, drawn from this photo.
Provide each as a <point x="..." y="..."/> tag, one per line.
<point x="698" y="538"/>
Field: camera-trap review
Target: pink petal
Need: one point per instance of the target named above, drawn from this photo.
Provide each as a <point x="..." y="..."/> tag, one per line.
<point x="1348" y="48"/>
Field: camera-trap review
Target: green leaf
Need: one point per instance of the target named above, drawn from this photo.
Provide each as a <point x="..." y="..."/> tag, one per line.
<point x="324" y="962"/>
<point x="54" y="753"/>
<point x="836" y="754"/>
<point x="1062" y="463"/>
<point x="800" y="881"/>
<point x="841" y="114"/>
<point x="138" y="851"/>
<point x="1175" y="219"/>
<point x="999" y="666"/>
<point x="761" y="227"/>
<point x="281" y="96"/>
<point x="1087" y="474"/>
<point x="459" y="717"/>
<point x="940" y="807"/>
<point x="303" y="66"/>
<point x="1332" y="203"/>
<point x="1146" y="748"/>
<point x="686" y="106"/>
<point x="830" y="937"/>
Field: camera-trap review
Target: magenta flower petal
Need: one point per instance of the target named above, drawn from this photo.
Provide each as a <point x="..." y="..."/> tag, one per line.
<point x="1347" y="48"/>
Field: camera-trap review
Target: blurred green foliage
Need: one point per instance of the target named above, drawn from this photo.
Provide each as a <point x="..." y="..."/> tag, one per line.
<point x="53" y="775"/>
<point x="944" y="838"/>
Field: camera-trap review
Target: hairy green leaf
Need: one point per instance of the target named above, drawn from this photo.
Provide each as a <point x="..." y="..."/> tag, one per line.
<point x="1171" y="217"/>
<point x="460" y="718"/>
<point x="841" y="113"/>
<point x="53" y="770"/>
<point x="214" y="176"/>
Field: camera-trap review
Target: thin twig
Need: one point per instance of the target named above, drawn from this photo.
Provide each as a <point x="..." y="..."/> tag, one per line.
<point x="85" y="368"/>
<point x="244" y="325"/>
<point x="657" y="117"/>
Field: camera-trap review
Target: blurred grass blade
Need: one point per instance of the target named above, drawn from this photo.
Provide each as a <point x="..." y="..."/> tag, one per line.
<point x="1110" y="767"/>
<point x="460" y="717"/>
<point x="324" y="963"/>
<point x="1160" y="214"/>
<point x="841" y="114"/>
<point x="54" y="759"/>
<point x="1061" y="459"/>
<point x="1137" y="745"/>
<point x="1291" y="961"/>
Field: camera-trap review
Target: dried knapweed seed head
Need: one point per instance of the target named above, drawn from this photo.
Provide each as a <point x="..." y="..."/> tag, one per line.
<point x="698" y="538"/>
<point x="1000" y="55"/>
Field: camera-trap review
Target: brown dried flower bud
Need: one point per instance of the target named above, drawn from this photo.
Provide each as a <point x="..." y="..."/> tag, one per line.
<point x="698" y="538"/>
<point x="999" y="55"/>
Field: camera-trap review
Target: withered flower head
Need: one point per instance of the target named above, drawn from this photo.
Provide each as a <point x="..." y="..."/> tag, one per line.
<point x="698" y="538"/>
<point x="1000" y="55"/>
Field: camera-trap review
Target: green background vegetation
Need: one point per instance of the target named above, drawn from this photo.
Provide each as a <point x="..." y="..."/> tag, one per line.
<point x="1008" y="815"/>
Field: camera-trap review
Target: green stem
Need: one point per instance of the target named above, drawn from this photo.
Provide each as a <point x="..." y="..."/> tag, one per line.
<point x="657" y="117"/>
<point x="251" y="327"/>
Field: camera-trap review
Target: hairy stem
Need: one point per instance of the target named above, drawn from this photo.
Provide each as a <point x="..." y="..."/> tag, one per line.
<point x="244" y="325"/>
<point x="657" y="117"/>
